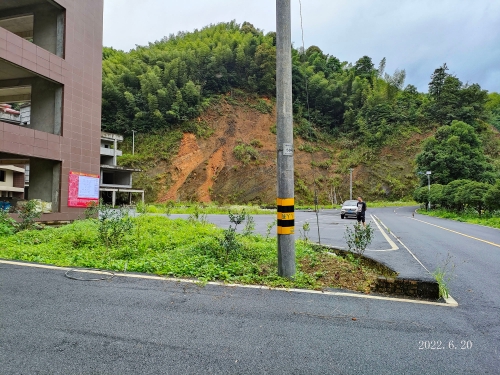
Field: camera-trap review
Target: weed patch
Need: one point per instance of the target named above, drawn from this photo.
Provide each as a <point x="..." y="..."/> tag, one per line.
<point x="180" y="248"/>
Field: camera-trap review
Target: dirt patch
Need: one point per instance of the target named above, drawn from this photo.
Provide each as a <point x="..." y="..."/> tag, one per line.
<point x="188" y="157"/>
<point x="336" y="272"/>
<point x="215" y="164"/>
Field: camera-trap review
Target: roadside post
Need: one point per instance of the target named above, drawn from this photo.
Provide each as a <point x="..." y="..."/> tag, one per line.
<point x="428" y="173"/>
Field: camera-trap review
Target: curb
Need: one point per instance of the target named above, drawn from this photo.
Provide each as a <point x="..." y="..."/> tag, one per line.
<point x="426" y="288"/>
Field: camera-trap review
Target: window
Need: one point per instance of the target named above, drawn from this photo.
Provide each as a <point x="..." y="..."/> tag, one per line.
<point x="2" y="176"/>
<point x="107" y="178"/>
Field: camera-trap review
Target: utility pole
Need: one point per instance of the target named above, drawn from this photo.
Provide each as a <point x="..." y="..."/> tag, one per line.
<point x="284" y="141"/>
<point x="350" y="184"/>
<point x="133" y="141"/>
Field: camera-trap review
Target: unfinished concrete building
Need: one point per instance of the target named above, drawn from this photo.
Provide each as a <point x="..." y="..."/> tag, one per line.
<point x="114" y="178"/>
<point x="50" y="61"/>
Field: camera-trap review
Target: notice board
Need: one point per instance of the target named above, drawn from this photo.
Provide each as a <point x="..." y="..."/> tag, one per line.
<point x="83" y="189"/>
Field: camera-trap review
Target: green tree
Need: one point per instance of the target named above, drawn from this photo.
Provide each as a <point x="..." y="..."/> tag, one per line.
<point x="450" y="198"/>
<point x="437" y="82"/>
<point x="472" y="194"/>
<point x="492" y="197"/>
<point x="364" y="68"/>
<point x="493" y="106"/>
<point x="454" y="152"/>
<point x="452" y="100"/>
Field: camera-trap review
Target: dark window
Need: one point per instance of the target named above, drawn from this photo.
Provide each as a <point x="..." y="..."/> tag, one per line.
<point x="2" y="176"/>
<point x="107" y="178"/>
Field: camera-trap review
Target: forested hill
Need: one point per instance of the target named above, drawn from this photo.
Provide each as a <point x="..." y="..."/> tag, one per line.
<point x="172" y="81"/>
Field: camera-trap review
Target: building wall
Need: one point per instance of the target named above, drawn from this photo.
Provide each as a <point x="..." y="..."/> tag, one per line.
<point x="79" y="73"/>
<point x="18" y="180"/>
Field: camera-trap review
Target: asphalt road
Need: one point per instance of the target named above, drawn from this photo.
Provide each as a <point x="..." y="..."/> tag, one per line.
<point x="50" y="324"/>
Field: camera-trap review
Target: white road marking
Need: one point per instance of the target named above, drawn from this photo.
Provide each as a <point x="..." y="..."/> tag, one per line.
<point x="462" y="234"/>
<point x="388" y="239"/>
<point x="187" y="281"/>
<point x="397" y="239"/>
<point x="448" y="299"/>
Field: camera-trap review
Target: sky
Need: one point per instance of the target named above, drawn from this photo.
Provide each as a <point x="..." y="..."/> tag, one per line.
<point x="415" y="35"/>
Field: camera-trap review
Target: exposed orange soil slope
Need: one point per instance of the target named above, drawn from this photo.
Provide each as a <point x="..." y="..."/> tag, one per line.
<point x="205" y="170"/>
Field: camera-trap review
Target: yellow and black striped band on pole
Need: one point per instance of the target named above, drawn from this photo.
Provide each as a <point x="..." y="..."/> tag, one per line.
<point x="286" y="215"/>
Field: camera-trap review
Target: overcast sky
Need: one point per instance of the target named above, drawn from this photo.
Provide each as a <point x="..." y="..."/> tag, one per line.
<point x="415" y="35"/>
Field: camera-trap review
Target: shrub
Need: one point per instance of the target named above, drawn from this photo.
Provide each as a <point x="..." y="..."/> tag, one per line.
<point x="114" y="224"/>
<point x="7" y="224"/>
<point x="256" y="143"/>
<point x="359" y="238"/>
<point x="245" y="153"/>
<point x="92" y="209"/>
<point x="28" y="212"/>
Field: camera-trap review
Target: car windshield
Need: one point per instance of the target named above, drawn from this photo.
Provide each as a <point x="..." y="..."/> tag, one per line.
<point x="350" y="203"/>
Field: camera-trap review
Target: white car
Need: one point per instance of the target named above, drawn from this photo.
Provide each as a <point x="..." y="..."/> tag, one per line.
<point x="349" y="208"/>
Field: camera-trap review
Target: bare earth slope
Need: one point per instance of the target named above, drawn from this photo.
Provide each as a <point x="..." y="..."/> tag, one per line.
<point x="208" y="169"/>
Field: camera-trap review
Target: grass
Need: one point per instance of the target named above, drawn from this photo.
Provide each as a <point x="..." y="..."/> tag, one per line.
<point x="370" y="204"/>
<point x="466" y="217"/>
<point x="184" y="249"/>
<point x="205" y="209"/>
<point x="380" y="204"/>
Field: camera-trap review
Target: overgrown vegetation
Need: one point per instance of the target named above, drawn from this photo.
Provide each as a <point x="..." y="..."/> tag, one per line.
<point x="7" y="224"/>
<point x="28" y="213"/>
<point x="160" y="90"/>
<point x="190" y="208"/>
<point x="181" y="248"/>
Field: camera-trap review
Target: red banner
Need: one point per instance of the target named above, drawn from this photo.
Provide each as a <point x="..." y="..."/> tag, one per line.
<point x="83" y="189"/>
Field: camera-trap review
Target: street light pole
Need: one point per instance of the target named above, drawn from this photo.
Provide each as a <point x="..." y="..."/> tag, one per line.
<point x="133" y="141"/>
<point x="350" y="184"/>
<point x="428" y="173"/>
<point x="284" y="141"/>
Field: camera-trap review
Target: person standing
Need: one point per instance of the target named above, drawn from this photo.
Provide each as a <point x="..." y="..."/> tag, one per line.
<point x="360" y="212"/>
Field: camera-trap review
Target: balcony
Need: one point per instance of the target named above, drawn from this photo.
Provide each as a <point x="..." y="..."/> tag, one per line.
<point x="110" y="151"/>
<point x="41" y="22"/>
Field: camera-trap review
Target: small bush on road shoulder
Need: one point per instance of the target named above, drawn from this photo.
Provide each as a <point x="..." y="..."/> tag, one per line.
<point x="358" y="239"/>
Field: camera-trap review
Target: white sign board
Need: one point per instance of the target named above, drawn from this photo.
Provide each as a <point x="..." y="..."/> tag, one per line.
<point x="88" y="187"/>
<point x="287" y="149"/>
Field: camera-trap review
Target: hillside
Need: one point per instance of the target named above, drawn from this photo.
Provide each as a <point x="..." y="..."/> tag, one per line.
<point x="202" y="107"/>
<point x="233" y="160"/>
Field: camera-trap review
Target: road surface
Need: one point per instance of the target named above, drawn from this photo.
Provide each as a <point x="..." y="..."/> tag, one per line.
<point x="50" y="324"/>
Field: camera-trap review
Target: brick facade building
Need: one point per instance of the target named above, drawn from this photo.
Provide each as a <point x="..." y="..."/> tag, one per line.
<point x="51" y="58"/>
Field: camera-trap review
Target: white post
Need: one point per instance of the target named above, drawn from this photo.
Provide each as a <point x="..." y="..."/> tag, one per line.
<point x="133" y="141"/>
<point x="428" y="173"/>
<point x="350" y="184"/>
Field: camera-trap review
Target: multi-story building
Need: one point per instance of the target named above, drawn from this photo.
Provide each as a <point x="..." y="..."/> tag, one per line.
<point x="114" y="178"/>
<point x="11" y="182"/>
<point x="50" y="58"/>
